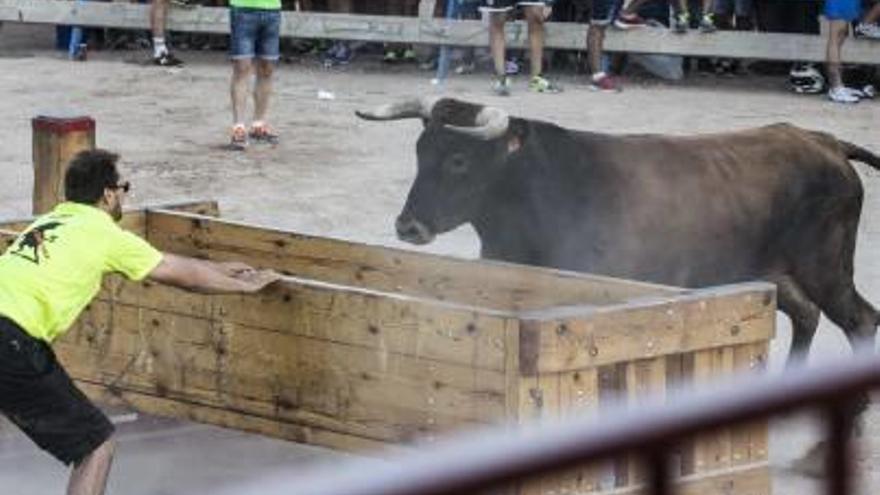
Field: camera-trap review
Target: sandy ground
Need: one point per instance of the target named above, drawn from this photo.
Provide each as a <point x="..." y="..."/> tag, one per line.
<point x="334" y="175"/>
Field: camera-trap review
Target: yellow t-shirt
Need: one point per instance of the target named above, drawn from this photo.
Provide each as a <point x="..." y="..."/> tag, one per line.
<point x="55" y="267"/>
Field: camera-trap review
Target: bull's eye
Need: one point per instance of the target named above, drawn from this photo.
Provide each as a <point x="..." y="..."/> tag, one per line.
<point x="457" y="164"/>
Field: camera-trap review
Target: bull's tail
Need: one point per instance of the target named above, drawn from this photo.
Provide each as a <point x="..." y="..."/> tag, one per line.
<point x="860" y="154"/>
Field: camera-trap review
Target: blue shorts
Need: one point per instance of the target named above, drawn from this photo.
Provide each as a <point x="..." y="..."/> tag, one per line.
<point x="843" y="10"/>
<point x="604" y="11"/>
<point x="254" y="33"/>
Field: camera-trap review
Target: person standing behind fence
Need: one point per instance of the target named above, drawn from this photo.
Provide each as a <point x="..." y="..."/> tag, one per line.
<point x="162" y="55"/>
<point x="255" y="30"/>
<point x="536" y="11"/>
<point x="839" y="13"/>
<point x="601" y="16"/>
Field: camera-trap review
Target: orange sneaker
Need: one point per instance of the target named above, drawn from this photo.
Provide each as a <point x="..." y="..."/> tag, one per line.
<point x="262" y="133"/>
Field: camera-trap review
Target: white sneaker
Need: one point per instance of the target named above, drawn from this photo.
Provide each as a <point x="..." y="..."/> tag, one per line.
<point x="842" y="94"/>
<point x="868" y="30"/>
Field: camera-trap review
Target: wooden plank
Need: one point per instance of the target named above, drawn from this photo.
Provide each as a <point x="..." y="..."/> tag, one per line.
<point x="749" y="442"/>
<point x="612" y="394"/>
<point x="511" y="371"/>
<point x="645" y="384"/>
<point x="227" y="418"/>
<point x="713" y="451"/>
<point x="383" y="396"/>
<point x="395" y="29"/>
<point x="679" y="374"/>
<point x="548" y="401"/>
<point x="568" y="339"/>
<point x="579" y="396"/>
<point x="415" y="327"/>
<point x="499" y="286"/>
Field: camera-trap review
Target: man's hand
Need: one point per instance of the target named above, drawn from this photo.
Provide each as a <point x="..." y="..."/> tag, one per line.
<point x="234" y="268"/>
<point x="257" y="280"/>
<point x="208" y="277"/>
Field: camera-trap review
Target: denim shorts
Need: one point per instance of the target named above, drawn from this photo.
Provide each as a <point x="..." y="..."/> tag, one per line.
<point x="39" y="397"/>
<point x="604" y="11"/>
<point x="254" y="33"/>
<point x="843" y="10"/>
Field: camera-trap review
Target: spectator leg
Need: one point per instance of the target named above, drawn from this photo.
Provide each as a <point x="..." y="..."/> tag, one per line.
<point x="497" y="43"/>
<point x="263" y="89"/>
<point x="241" y="76"/>
<point x="595" y="41"/>
<point x="535" y="18"/>
<point x="837" y="33"/>
<point x="158" y="19"/>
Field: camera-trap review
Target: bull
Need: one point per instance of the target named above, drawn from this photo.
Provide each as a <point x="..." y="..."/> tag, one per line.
<point x="776" y="203"/>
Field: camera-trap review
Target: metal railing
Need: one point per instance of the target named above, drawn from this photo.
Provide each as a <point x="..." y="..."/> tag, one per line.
<point x="490" y="459"/>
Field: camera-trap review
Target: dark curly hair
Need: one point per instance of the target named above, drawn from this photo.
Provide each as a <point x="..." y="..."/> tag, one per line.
<point x="89" y="173"/>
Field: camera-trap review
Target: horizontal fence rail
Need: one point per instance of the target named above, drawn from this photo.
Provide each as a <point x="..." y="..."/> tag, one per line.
<point x="484" y="460"/>
<point x="435" y="31"/>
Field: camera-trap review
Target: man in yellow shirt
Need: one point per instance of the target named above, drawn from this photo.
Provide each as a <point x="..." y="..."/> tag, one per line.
<point x="51" y="272"/>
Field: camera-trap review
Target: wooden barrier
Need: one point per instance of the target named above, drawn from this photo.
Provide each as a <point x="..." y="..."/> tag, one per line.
<point x="393" y="29"/>
<point x="365" y="347"/>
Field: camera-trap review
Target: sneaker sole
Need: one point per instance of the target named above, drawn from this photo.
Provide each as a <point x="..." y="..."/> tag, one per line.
<point x="628" y="27"/>
<point x="603" y="90"/>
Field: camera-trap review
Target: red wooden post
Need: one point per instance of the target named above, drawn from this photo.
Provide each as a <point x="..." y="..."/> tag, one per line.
<point x="56" y="139"/>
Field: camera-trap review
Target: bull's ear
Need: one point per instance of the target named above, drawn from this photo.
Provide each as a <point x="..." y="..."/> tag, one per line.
<point x="517" y="133"/>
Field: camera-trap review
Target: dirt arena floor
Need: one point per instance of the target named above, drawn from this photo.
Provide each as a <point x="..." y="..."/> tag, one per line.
<point x="334" y="175"/>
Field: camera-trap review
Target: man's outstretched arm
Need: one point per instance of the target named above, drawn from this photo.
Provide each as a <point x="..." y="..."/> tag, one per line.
<point x="208" y="277"/>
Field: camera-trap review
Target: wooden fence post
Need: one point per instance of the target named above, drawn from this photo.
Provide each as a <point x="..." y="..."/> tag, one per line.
<point x="56" y="140"/>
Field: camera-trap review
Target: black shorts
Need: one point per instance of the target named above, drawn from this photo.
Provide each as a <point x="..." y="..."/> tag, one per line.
<point x="40" y="398"/>
<point x="504" y="5"/>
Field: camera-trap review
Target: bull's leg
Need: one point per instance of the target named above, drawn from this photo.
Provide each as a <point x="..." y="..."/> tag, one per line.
<point x="826" y="274"/>
<point x="852" y="313"/>
<point x="802" y="312"/>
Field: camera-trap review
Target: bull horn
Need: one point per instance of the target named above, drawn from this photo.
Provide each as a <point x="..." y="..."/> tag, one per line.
<point x="414" y="108"/>
<point x="490" y="123"/>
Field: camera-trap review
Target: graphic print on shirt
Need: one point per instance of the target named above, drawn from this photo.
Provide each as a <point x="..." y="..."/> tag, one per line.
<point x="34" y="242"/>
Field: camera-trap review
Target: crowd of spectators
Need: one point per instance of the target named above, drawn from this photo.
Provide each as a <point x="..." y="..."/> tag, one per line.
<point x="860" y="17"/>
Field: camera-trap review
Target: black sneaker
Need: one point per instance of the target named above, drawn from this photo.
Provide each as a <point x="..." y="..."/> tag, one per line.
<point x="167" y="60"/>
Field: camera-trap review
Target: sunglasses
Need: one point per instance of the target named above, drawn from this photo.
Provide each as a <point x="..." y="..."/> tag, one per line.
<point x="125" y="186"/>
